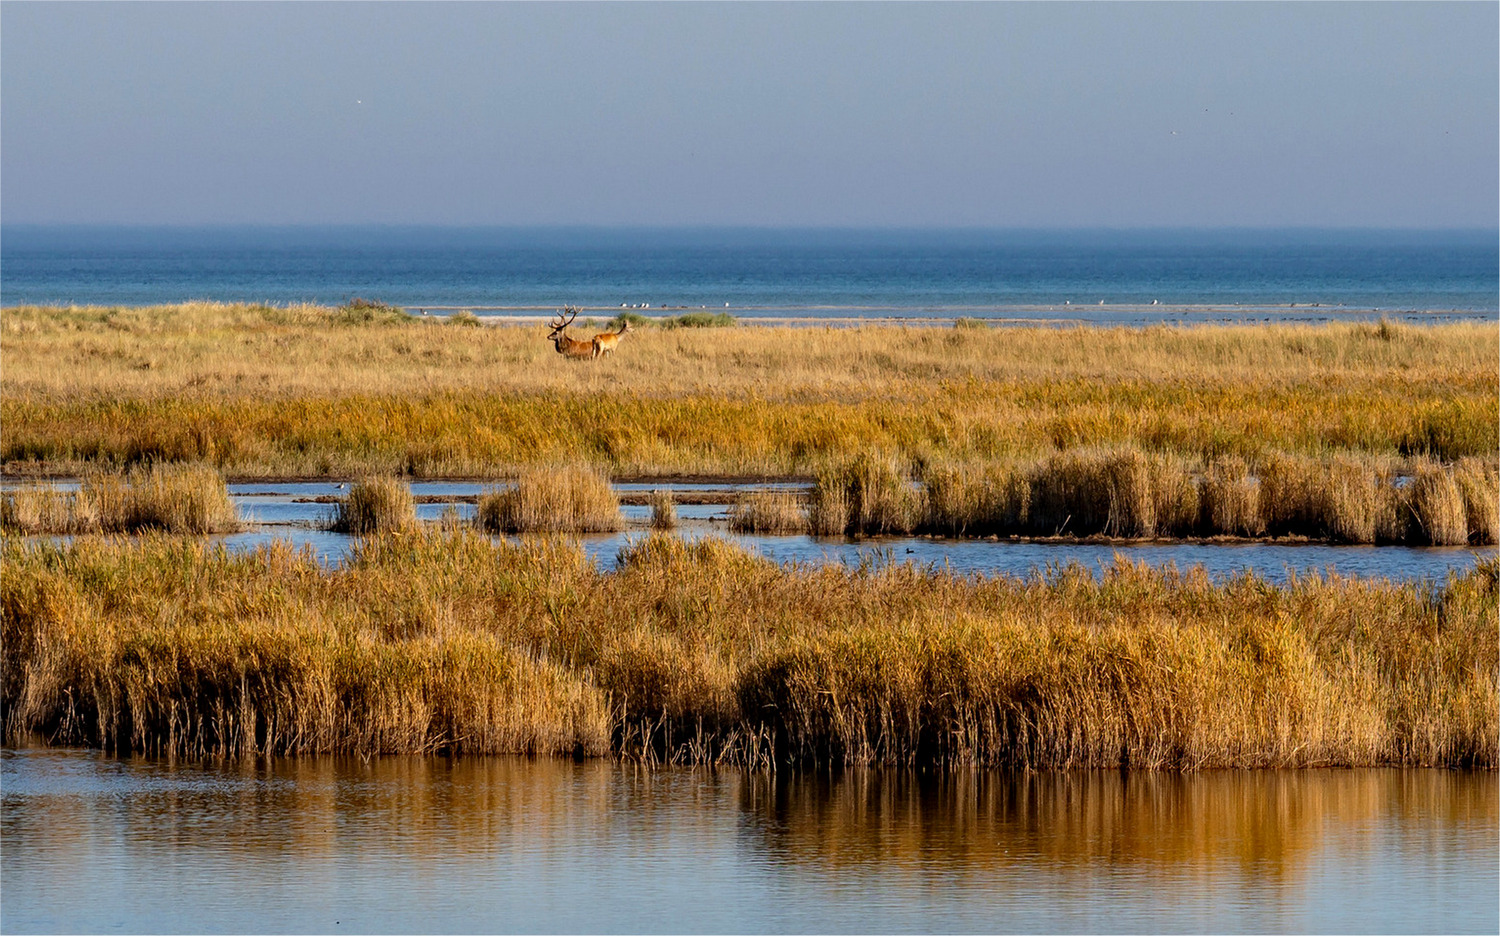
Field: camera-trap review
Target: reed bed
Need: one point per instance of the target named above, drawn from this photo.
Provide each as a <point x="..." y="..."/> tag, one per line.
<point x="301" y="391"/>
<point x="171" y="498"/>
<point x="444" y="640"/>
<point x="566" y="498"/>
<point x="1129" y="494"/>
<point x="777" y="513"/>
<point x="376" y="505"/>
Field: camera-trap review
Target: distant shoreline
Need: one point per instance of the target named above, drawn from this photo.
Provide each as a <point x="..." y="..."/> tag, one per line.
<point x="1121" y="314"/>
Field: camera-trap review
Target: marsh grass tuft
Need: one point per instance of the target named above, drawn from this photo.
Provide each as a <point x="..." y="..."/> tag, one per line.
<point x="663" y="510"/>
<point x="376" y="505"/>
<point x="37" y="508"/>
<point x="828" y="507"/>
<point x="778" y="513"/>
<point x="567" y="498"/>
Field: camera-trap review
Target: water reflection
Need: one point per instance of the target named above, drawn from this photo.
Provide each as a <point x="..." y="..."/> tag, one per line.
<point x="509" y="844"/>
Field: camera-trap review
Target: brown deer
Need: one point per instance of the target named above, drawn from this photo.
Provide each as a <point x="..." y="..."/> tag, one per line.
<point x="569" y="347"/>
<point x="605" y="342"/>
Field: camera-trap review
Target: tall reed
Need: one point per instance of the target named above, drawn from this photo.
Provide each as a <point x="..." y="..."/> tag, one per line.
<point x="875" y="493"/>
<point x="1126" y="493"/>
<point x="975" y="500"/>
<point x="566" y="498"/>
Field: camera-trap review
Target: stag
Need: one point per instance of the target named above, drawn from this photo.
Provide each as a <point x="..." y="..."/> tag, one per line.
<point x="569" y="347"/>
<point x="605" y="342"/>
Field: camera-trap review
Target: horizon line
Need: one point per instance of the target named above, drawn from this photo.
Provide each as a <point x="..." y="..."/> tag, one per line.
<point x="716" y="226"/>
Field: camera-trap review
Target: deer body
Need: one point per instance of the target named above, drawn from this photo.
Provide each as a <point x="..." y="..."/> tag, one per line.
<point x="605" y="342"/>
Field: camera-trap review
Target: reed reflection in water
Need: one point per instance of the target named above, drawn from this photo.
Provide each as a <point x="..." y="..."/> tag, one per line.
<point x="515" y="845"/>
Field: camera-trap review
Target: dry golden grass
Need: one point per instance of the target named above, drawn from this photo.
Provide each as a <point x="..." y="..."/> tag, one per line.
<point x="444" y="640"/>
<point x="553" y="499"/>
<point x="305" y="391"/>
<point x="172" y="498"/>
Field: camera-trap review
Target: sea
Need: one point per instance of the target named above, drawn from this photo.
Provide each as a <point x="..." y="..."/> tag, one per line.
<point x="1100" y="276"/>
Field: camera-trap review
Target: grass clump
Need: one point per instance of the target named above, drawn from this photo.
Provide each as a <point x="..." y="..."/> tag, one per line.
<point x="566" y="499"/>
<point x="361" y="311"/>
<point x="464" y="319"/>
<point x="635" y="320"/>
<point x="699" y="320"/>
<point x="778" y="513"/>
<point x="376" y="505"/>
<point x="663" y="510"/>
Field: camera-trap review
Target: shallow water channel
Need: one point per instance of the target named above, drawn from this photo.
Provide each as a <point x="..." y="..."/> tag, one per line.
<point x="419" y="844"/>
<point x="295" y="512"/>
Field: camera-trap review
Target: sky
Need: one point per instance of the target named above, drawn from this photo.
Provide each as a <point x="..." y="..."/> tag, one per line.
<point x="1053" y="115"/>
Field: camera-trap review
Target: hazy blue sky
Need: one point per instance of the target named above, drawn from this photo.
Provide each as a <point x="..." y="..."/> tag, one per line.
<point x="920" y="114"/>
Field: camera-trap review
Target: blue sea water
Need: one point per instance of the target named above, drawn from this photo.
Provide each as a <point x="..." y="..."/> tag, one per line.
<point x="1136" y="275"/>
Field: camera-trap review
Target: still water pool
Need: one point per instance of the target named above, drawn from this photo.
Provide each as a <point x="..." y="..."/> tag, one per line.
<point x="412" y="844"/>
